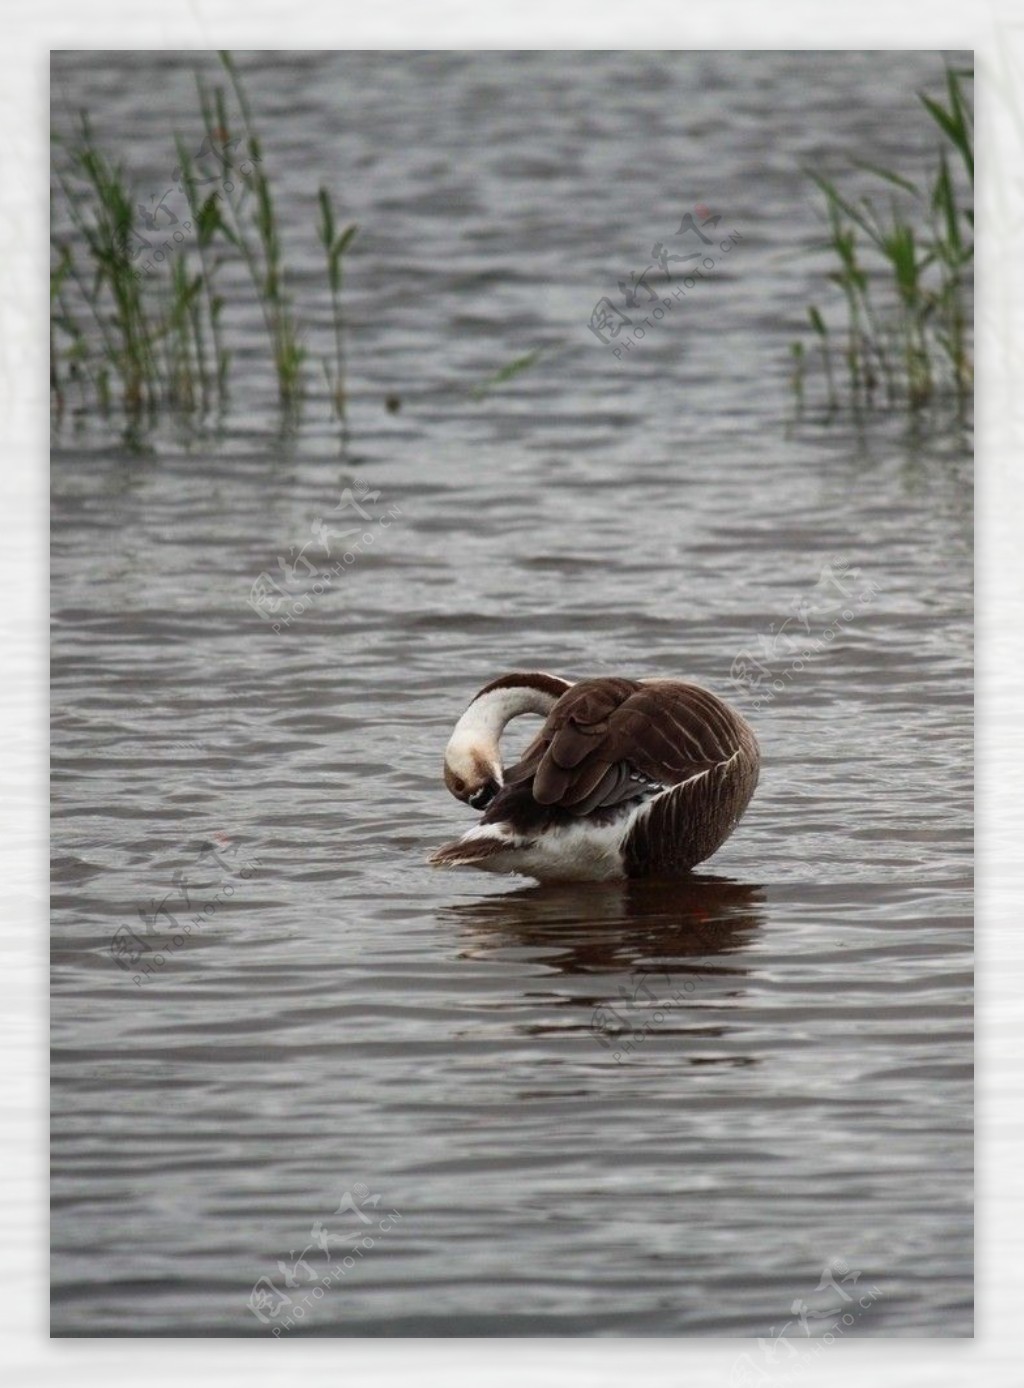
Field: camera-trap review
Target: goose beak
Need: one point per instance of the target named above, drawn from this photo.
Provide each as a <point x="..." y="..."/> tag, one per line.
<point x="481" y="798"/>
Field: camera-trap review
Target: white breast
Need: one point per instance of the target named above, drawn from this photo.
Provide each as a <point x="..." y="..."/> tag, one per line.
<point x="581" y="852"/>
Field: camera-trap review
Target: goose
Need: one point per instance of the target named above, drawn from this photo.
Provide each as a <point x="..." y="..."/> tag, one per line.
<point x="626" y="778"/>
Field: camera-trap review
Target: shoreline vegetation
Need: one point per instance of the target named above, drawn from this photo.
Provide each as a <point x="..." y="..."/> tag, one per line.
<point x="137" y="295"/>
<point x="900" y="335"/>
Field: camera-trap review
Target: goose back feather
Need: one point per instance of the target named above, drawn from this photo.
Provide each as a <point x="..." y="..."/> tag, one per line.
<point x="658" y="771"/>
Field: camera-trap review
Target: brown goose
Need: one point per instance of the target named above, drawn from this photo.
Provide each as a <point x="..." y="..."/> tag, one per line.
<point x="627" y="778"/>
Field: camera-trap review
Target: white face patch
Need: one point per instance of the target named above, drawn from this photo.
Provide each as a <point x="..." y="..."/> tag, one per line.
<point x="469" y="765"/>
<point x="465" y="754"/>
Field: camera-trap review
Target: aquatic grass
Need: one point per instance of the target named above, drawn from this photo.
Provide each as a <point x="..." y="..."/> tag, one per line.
<point x="149" y="336"/>
<point x="262" y="254"/>
<point x="101" y="212"/>
<point x="508" y="372"/>
<point x="184" y="336"/>
<point x="68" y="348"/>
<point x="205" y="220"/>
<point x="904" y="274"/>
<point x="818" y="324"/>
<point x="127" y="337"/>
<point x="271" y="278"/>
<point x="334" y="247"/>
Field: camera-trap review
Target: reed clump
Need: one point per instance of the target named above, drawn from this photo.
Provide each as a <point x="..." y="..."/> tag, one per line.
<point x="138" y="296"/>
<point x="904" y="274"/>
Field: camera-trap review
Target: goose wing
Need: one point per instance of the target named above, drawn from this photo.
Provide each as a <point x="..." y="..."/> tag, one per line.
<point x="608" y="740"/>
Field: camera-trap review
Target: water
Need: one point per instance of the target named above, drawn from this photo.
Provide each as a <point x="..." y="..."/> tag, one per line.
<point x="343" y="1033"/>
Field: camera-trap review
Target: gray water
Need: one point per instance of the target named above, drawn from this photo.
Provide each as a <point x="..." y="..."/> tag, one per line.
<point x="311" y="1040"/>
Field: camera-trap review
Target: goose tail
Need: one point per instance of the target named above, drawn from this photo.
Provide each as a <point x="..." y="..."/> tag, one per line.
<point x="476" y="848"/>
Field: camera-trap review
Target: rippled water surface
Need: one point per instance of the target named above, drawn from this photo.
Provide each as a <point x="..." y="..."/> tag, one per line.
<point x="639" y="1109"/>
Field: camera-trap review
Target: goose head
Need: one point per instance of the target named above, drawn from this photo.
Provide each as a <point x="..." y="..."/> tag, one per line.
<point x="473" y="769"/>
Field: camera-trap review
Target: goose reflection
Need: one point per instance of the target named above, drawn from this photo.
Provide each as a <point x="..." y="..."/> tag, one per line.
<point x="622" y="962"/>
<point x="589" y="928"/>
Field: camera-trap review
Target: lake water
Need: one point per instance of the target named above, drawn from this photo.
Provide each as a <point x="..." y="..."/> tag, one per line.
<point x="709" y="1108"/>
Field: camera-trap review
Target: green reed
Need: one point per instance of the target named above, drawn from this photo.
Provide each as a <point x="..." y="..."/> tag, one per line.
<point x="508" y="372"/>
<point x="68" y="346"/>
<point x="124" y="335"/>
<point x="904" y="274"/>
<point x="213" y="359"/>
<point x="101" y="211"/>
<point x="250" y="225"/>
<point x="335" y="245"/>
